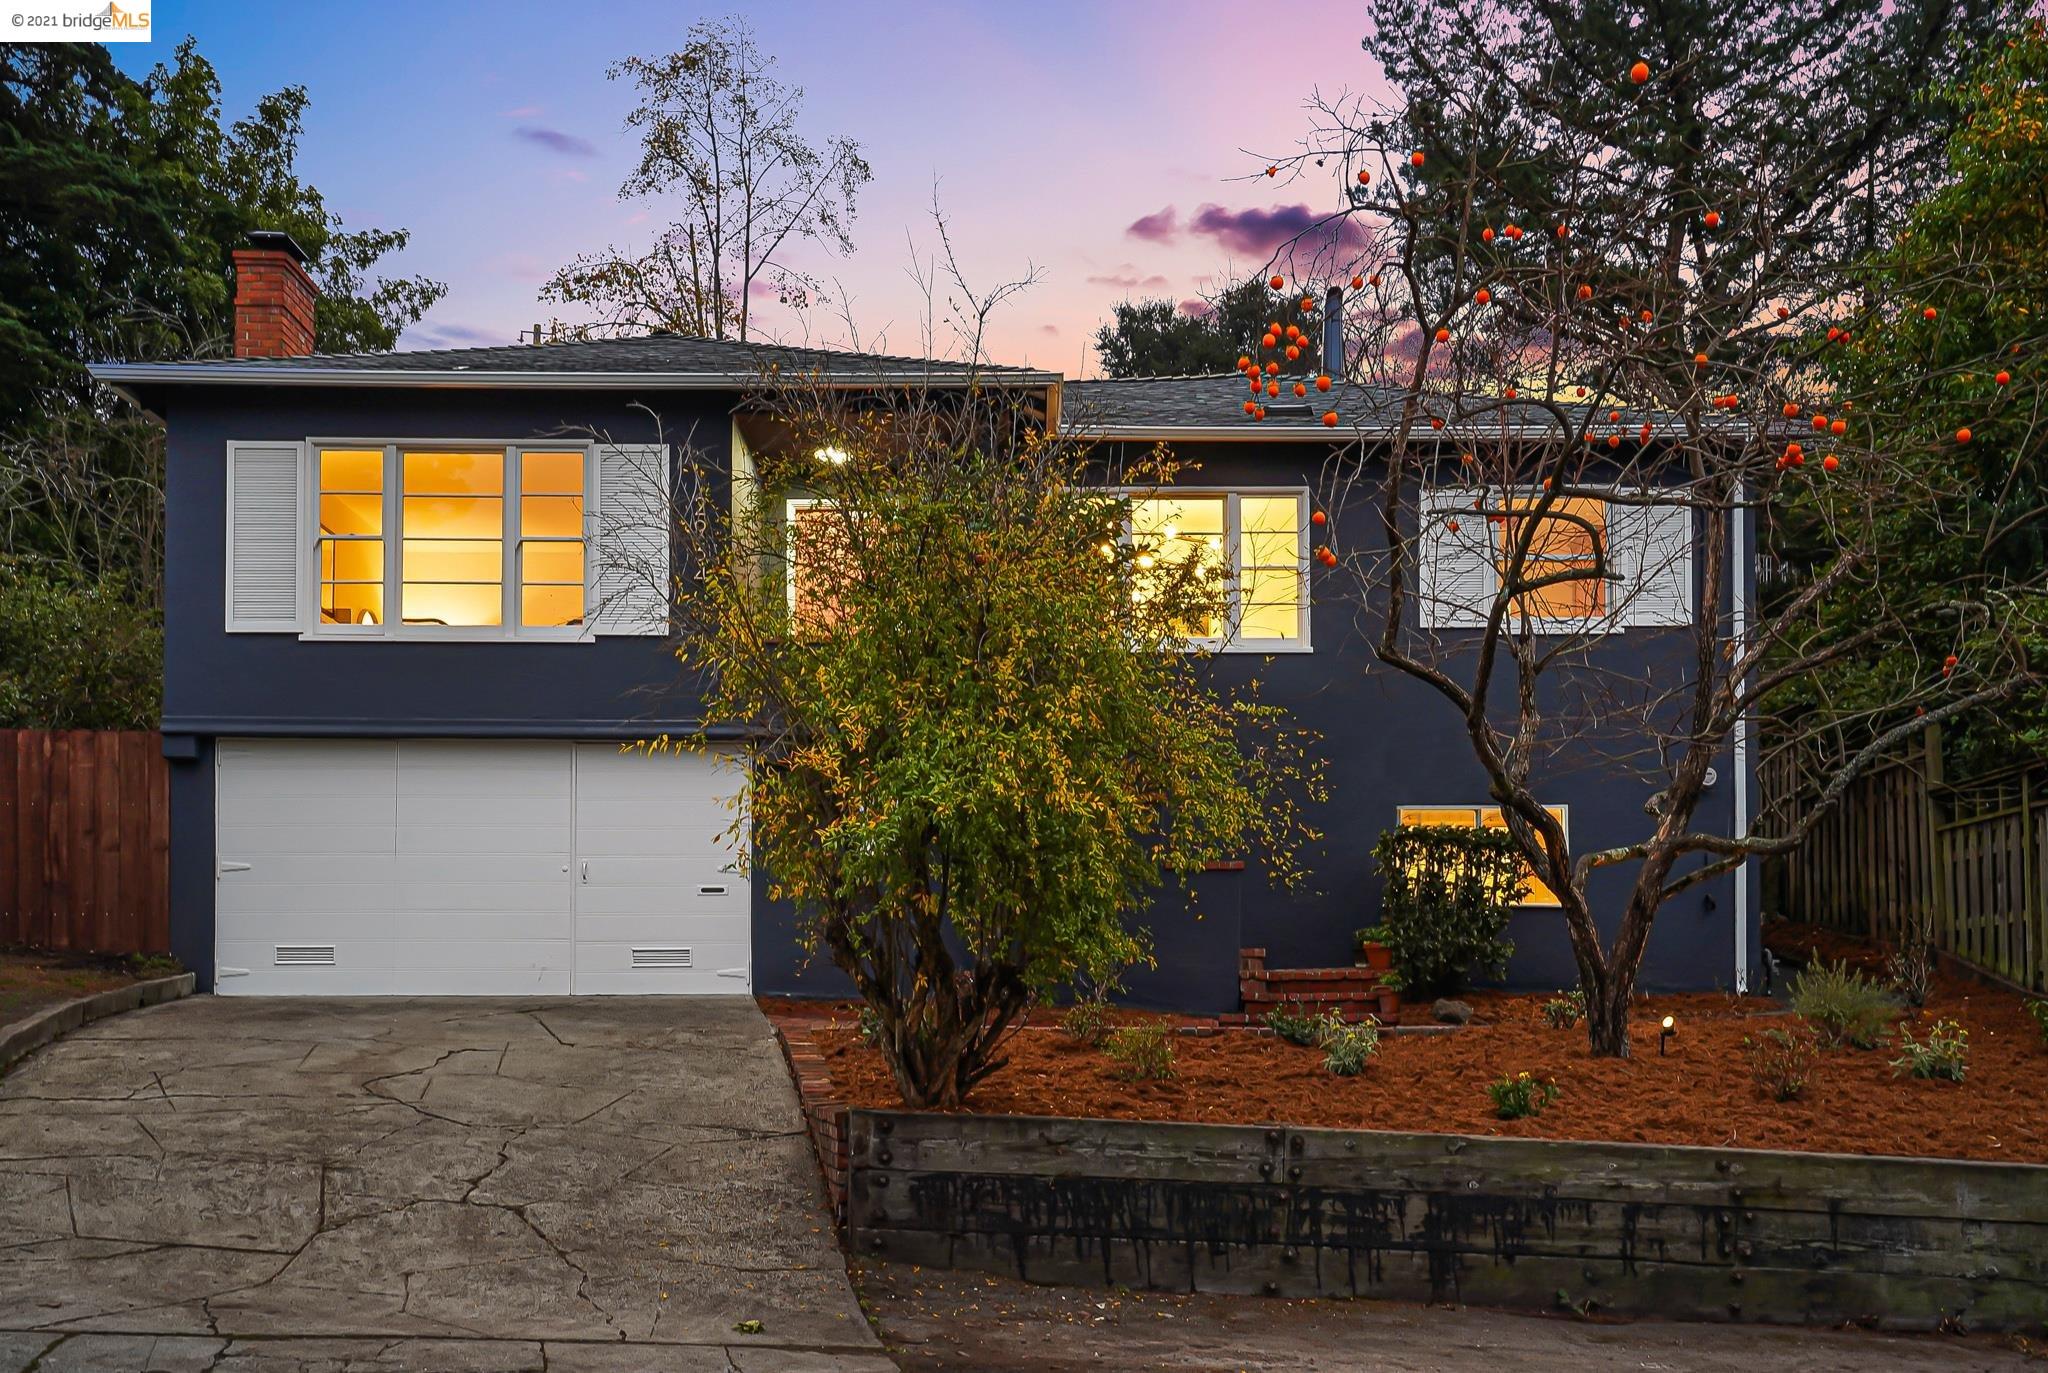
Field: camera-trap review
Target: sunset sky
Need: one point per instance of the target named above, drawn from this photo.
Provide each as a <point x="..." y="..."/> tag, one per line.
<point x="1047" y="130"/>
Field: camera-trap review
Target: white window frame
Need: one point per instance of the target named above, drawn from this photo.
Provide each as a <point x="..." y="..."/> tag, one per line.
<point x="508" y="630"/>
<point x="1479" y="809"/>
<point x="1233" y="541"/>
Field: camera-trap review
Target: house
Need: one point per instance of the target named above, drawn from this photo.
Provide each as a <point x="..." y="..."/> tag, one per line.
<point x="396" y="675"/>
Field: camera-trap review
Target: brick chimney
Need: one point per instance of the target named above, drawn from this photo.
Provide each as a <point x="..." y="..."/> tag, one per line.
<point x="274" y="298"/>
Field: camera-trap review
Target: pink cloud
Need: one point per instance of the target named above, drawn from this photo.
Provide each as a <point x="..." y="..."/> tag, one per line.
<point x="1196" y="308"/>
<point x="1126" y="277"/>
<point x="1159" y="227"/>
<point x="1051" y="330"/>
<point x="1263" y="231"/>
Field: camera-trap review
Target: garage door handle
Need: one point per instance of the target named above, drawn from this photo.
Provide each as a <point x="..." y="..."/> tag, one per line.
<point x="586" y="872"/>
<point x="227" y="866"/>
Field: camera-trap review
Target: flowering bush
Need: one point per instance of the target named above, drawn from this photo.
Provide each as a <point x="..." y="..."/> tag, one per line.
<point x="1521" y="1095"/>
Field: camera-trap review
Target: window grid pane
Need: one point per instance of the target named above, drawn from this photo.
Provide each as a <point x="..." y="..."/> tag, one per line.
<point x="551" y="549"/>
<point x="452" y="554"/>
<point x="350" y="525"/>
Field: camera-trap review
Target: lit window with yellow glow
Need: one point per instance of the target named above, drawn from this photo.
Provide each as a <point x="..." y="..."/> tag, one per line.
<point x="477" y="541"/>
<point x="1566" y="538"/>
<point x="1250" y="544"/>
<point x="1535" y="892"/>
<point x="349" y="543"/>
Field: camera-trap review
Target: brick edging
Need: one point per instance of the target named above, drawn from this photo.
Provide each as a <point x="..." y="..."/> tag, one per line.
<point x="824" y="1109"/>
<point x="19" y="1040"/>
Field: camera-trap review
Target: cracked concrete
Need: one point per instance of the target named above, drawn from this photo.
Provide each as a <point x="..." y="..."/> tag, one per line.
<point x="292" y="1186"/>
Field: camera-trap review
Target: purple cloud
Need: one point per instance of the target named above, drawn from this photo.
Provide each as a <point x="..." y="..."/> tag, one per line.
<point x="1050" y="330"/>
<point x="555" y="141"/>
<point x="1262" y="231"/>
<point x="453" y="335"/>
<point x="1160" y="227"/>
<point x="1196" y="308"/>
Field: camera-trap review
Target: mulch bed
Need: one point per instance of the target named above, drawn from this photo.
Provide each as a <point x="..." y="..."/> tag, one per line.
<point x="1803" y="944"/>
<point x="1700" y="1093"/>
<point x="35" y="980"/>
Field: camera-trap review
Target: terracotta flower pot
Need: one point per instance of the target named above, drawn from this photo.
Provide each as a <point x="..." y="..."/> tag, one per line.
<point x="1390" y="1005"/>
<point x="1378" y="957"/>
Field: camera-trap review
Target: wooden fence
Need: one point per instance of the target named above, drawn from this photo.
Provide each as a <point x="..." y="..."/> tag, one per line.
<point x="1964" y="863"/>
<point x="84" y="840"/>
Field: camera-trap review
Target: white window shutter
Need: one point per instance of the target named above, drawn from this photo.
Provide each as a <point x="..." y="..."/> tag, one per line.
<point x="1455" y="578"/>
<point x="632" y="570"/>
<point x="264" y="554"/>
<point x="1652" y="548"/>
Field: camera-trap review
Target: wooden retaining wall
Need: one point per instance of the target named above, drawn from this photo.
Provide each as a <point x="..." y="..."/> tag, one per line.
<point x="1707" y="1234"/>
<point x="85" y="839"/>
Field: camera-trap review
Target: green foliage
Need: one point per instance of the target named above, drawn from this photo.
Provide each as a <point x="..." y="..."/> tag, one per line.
<point x="1295" y="1025"/>
<point x="1164" y="338"/>
<point x="1347" y="1047"/>
<point x="2039" y="1010"/>
<point x="970" y="762"/>
<point x="1565" y="1010"/>
<point x="1520" y="1095"/>
<point x="76" y="654"/>
<point x="1142" y="1053"/>
<point x="1944" y="1054"/>
<point x="1086" y="1021"/>
<point x="1978" y="535"/>
<point x="120" y="202"/>
<point x="1781" y="1062"/>
<point x="1448" y="891"/>
<point x="1843" y="1005"/>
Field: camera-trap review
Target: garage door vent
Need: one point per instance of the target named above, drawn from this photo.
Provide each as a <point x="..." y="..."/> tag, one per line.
<point x="662" y="956"/>
<point x="305" y="955"/>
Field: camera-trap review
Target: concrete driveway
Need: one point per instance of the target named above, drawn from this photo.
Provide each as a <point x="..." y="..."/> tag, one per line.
<point x="292" y="1185"/>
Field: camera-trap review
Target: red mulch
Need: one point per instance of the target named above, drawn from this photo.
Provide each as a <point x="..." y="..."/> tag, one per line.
<point x="1701" y="1093"/>
<point x="1810" y="943"/>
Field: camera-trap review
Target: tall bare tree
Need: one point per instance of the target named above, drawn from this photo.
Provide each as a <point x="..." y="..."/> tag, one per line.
<point x="1597" y="311"/>
<point x="718" y="131"/>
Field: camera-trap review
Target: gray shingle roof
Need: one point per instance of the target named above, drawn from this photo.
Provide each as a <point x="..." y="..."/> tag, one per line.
<point x="651" y="356"/>
<point x="1213" y="407"/>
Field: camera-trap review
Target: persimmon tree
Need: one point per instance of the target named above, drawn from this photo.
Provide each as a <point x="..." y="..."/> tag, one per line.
<point x="974" y="747"/>
<point x="1596" y="324"/>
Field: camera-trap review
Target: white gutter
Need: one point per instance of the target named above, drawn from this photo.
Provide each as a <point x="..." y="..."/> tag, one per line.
<point x="240" y="374"/>
<point x="1739" y="628"/>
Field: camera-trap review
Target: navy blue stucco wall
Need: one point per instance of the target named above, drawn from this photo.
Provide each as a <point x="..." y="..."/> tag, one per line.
<point x="1388" y="741"/>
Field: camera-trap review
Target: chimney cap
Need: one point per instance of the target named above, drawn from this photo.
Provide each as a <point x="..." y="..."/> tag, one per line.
<point x="278" y="241"/>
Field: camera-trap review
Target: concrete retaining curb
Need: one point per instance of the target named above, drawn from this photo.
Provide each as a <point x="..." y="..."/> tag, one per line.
<point x="20" y="1040"/>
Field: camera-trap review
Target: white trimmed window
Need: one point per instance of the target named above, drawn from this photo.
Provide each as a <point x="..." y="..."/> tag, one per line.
<point x="447" y="540"/>
<point x="1253" y="541"/>
<point x="1468" y="536"/>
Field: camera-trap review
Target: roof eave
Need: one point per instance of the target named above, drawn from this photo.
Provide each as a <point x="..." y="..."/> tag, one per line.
<point x="125" y="374"/>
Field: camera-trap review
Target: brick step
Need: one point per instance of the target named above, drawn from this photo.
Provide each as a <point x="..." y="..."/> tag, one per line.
<point x="1256" y="1006"/>
<point x="1290" y="981"/>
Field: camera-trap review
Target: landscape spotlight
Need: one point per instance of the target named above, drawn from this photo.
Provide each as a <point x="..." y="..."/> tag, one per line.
<point x="1664" y="1035"/>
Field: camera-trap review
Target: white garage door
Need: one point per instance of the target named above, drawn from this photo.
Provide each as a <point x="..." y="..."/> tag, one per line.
<point x="434" y="867"/>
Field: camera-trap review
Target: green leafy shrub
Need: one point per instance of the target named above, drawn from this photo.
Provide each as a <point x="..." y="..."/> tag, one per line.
<point x="1781" y="1061"/>
<point x="1086" y="1021"/>
<point x="1347" y="1048"/>
<point x="1565" y="1010"/>
<point x="1294" y="1025"/>
<point x="1843" y="1005"/>
<point x="1143" y="1053"/>
<point x="1944" y="1054"/>
<point x="2039" y="1010"/>
<point x="1521" y="1095"/>
<point x="1448" y="892"/>
<point x="869" y="1026"/>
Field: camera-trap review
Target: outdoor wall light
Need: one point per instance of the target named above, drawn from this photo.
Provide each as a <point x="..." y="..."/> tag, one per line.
<point x="1664" y="1035"/>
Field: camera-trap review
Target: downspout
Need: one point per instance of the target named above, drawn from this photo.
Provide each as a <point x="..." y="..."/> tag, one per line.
<point x="1738" y="608"/>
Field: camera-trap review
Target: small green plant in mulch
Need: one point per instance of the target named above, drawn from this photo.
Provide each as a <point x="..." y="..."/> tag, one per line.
<point x="1781" y="1062"/>
<point x="869" y="1026"/>
<point x="1294" y="1025"/>
<point x="1521" y="1095"/>
<point x="2039" y="1010"/>
<point x="1944" y="1054"/>
<point x="1565" y="1010"/>
<point x="1142" y="1053"/>
<point x="1347" y="1048"/>
<point x="1086" y="1021"/>
<point x="1843" y="1005"/>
